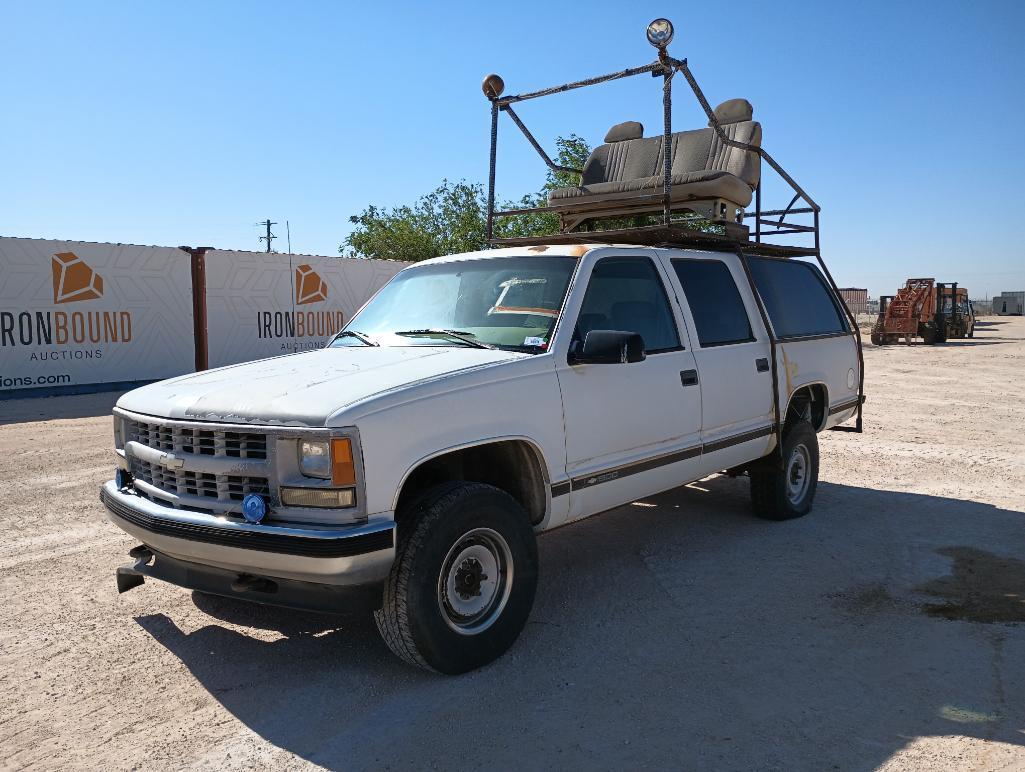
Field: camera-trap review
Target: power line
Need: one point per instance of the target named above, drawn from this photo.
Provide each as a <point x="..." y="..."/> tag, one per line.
<point x="270" y="236"/>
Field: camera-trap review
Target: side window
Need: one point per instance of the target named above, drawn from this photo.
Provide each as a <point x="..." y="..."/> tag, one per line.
<point x="715" y="302"/>
<point x="796" y="298"/>
<point x="626" y="293"/>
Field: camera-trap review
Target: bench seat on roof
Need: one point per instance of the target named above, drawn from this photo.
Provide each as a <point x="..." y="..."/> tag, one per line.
<point x="629" y="166"/>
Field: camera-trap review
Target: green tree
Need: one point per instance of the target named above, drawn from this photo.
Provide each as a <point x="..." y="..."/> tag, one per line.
<point x="453" y="217"/>
<point x="449" y="219"/>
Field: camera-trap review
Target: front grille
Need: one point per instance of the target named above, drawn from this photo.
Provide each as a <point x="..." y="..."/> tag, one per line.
<point x="195" y="439"/>
<point x="221" y="491"/>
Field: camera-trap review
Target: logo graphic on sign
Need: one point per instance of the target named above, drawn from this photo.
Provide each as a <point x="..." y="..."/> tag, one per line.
<point x="309" y="287"/>
<point x="73" y="280"/>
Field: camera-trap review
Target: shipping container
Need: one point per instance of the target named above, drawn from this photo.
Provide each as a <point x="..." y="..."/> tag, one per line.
<point x="856" y="299"/>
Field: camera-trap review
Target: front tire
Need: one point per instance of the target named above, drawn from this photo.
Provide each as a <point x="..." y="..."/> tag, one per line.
<point x="783" y="492"/>
<point x="463" y="581"/>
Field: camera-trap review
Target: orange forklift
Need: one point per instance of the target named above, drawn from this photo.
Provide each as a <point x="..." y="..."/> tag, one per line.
<point x="924" y="309"/>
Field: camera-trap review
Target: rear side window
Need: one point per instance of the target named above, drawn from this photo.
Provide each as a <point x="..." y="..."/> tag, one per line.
<point x="715" y="302"/>
<point x="797" y="298"/>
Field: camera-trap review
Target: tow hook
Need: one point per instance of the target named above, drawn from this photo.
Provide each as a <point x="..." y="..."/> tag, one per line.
<point x="250" y="583"/>
<point x="141" y="552"/>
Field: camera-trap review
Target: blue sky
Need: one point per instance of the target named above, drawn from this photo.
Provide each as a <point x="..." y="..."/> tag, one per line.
<point x="186" y="122"/>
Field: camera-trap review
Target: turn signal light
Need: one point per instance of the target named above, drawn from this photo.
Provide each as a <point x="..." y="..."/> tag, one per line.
<point x="331" y="498"/>
<point x="343" y="468"/>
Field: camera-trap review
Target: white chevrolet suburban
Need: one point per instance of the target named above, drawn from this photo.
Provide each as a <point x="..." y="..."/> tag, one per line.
<point x="474" y="402"/>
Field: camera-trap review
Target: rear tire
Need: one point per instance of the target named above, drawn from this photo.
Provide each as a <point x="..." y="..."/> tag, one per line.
<point x="783" y="492"/>
<point x="463" y="581"/>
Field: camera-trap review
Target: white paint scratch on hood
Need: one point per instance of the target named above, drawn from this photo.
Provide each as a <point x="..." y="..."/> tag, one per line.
<point x="302" y="389"/>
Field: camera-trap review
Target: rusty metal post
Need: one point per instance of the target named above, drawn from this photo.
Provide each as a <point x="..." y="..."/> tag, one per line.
<point x="855" y="330"/>
<point x="491" y="170"/>
<point x="199" y="318"/>
<point x="667" y="140"/>
<point x="758" y="212"/>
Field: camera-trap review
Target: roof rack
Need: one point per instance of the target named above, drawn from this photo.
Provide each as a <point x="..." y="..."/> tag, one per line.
<point x="766" y="223"/>
<point x="726" y="218"/>
<point x="665" y="236"/>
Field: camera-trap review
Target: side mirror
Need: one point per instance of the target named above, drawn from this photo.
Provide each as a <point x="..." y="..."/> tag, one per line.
<point x="609" y="347"/>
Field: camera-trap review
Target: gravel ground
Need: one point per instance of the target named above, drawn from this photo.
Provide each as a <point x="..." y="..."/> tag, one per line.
<point x="883" y="630"/>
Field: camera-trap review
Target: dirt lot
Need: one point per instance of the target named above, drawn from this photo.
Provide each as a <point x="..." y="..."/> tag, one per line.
<point x="883" y="630"/>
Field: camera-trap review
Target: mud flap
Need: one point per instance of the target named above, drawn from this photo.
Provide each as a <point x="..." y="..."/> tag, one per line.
<point x="128" y="578"/>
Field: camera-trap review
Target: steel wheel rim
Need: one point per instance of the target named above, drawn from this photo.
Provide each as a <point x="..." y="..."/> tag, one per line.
<point x="798" y="474"/>
<point x="475" y="581"/>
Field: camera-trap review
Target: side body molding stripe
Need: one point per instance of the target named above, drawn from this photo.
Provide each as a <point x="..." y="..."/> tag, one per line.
<point x="841" y="406"/>
<point x="615" y="473"/>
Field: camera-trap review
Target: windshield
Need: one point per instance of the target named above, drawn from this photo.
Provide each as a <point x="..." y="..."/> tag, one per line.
<point x="510" y="303"/>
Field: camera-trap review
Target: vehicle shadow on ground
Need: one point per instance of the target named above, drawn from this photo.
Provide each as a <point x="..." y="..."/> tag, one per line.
<point x="677" y="631"/>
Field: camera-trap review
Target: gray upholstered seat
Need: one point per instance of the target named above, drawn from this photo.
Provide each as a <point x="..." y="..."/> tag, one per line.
<point x="629" y="166"/>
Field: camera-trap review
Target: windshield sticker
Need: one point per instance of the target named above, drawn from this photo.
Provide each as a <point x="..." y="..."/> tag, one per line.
<point x="531" y="341"/>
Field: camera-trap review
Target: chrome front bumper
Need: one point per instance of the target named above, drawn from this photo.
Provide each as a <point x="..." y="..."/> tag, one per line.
<point x="340" y="556"/>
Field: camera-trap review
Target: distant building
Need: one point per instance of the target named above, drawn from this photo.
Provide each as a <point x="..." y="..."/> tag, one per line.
<point x="1009" y="304"/>
<point x="855" y="298"/>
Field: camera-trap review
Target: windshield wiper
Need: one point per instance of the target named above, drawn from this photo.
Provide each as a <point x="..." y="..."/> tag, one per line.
<point x="362" y="337"/>
<point x="462" y="337"/>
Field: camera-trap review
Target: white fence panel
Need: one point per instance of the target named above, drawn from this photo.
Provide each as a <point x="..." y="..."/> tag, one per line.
<point x="77" y="313"/>
<point x="263" y="304"/>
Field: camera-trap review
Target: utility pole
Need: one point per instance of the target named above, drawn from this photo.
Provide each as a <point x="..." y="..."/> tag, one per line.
<point x="270" y="236"/>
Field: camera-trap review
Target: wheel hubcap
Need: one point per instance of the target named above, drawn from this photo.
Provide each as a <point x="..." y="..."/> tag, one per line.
<point x="798" y="474"/>
<point x="475" y="581"/>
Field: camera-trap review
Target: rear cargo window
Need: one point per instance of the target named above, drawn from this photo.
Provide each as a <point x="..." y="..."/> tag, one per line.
<point x="797" y="298"/>
<point x="714" y="302"/>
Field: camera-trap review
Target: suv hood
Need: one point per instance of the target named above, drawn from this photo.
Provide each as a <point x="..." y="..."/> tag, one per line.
<point x="303" y="389"/>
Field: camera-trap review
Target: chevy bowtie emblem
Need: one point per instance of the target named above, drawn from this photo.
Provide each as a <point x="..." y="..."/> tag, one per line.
<point x="171" y="461"/>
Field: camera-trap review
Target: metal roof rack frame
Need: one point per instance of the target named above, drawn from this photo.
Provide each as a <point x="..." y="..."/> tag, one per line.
<point x="735" y="237"/>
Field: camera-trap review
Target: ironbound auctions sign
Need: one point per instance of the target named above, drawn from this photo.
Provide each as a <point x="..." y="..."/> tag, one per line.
<point x="76" y="313"/>
<point x="262" y="305"/>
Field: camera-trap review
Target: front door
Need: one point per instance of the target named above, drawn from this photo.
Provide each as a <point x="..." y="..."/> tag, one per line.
<point x="631" y="429"/>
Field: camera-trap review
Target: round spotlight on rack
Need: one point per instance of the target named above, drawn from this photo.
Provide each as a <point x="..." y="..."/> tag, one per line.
<point x="493" y="86"/>
<point x="660" y="33"/>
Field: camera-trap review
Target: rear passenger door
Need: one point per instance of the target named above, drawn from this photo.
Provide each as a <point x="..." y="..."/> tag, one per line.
<point x="732" y="351"/>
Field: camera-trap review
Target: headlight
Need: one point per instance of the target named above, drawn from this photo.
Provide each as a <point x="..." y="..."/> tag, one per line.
<point x="315" y="459"/>
<point x="328" y="460"/>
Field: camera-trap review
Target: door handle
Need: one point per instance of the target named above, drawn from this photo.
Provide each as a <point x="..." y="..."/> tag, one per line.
<point x="762" y="365"/>
<point x="689" y="377"/>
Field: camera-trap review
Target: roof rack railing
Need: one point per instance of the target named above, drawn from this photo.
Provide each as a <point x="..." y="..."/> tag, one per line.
<point x="767" y="223"/>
